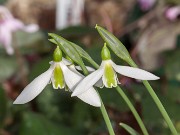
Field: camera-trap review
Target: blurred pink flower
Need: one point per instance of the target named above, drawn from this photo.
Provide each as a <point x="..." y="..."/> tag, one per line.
<point x="8" y="25"/>
<point x="146" y="5"/>
<point x="172" y="13"/>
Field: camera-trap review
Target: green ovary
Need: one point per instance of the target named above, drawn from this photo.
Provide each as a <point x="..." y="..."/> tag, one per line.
<point x="109" y="76"/>
<point x="58" y="77"/>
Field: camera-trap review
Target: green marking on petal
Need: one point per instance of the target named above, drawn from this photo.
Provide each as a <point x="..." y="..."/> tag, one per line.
<point x="109" y="76"/>
<point x="58" y="77"/>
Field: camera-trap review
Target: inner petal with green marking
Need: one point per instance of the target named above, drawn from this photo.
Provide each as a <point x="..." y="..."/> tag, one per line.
<point x="58" y="78"/>
<point x="109" y="76"/>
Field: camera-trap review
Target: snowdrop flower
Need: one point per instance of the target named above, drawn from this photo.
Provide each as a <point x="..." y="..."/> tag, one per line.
<point x="61" y="76"/>
<point x="172" y="13"/>
<point x="8" y="25"/>
<point x="107" y="72"/>
<point x="146" y="5"/>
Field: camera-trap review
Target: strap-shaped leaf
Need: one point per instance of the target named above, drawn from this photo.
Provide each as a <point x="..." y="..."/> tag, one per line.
<point x="85" y="55"/>
<point x="81" y="52"/>
<point x="116" y="46"/>
<point x="53" y="41"/>
<point x="67" y="48"/>
<point x="129" y="129"/>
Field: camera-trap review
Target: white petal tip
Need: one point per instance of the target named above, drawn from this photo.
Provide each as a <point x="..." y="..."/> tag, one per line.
<point x="74" y="94"/>
<point x="97" y="105"/>
<point x="18" y="102"/>
<point x="153" y="78"/>
<point x="157" y="78"/>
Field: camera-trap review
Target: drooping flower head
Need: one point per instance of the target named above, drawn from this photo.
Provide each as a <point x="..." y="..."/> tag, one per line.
<point x="61" y="74"/>
<point x="8" y="25"/>
<point x="107" y="74"/>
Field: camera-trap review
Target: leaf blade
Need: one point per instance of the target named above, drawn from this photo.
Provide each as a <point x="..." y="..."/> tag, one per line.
<point x="116" y="46"/>
<point x="67" y="48"/>
<point x="128" y="129"/>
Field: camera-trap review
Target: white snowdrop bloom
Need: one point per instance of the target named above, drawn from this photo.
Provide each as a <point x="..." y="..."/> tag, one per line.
<point x="107" y="74"/>
<point x="61" y="74"/>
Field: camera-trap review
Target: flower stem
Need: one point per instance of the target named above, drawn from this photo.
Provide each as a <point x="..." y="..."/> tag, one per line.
<point x="106" y="119"/>
<point x="102" y="108"/>
<point x="84" y="69"/>
<point x="161" y="107"/>
<point x="158" y="103"/>
<point x="128" y="102"/>
<point x="133" y="110"/>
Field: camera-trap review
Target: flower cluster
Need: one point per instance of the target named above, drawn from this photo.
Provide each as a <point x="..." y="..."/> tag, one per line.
<point x="63" y="74"/>
<point x="8" y="25"/>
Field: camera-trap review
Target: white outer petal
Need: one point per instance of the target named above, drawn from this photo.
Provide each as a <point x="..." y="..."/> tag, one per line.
<point x="135" y="73"/>
<point x="72" y="79"/>
<point x="73" y="68"/>
<point x="35" y="87"/>
<point x="99" y="83"/>
<point x="91" y="97"/>
<point x="88" y="82"/>
<point x="66" y="62"/>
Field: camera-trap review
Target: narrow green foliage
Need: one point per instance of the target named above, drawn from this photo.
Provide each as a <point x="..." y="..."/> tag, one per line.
<point x="116" y="46"/>
<point x="129" y="129"/>
<point x="81" y="52"/>
<point x="67" y="48"/>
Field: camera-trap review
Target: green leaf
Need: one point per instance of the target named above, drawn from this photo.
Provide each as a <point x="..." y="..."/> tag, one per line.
<point x="8" y="67"/>
<point x="84" y="54"/>
<point x="116" y="46"/>
<point x="53" y="41"/>
<point x="81" y="52"/>
<point x="67" y="48"/>
<point x="3" y="106"/>
<point x="36" y="124"/>
<point x="129" y="129"/>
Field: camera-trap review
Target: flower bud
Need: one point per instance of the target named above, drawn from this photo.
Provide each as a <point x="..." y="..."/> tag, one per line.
<point x="105" y="53"/>
<point x="57" y="55"/>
